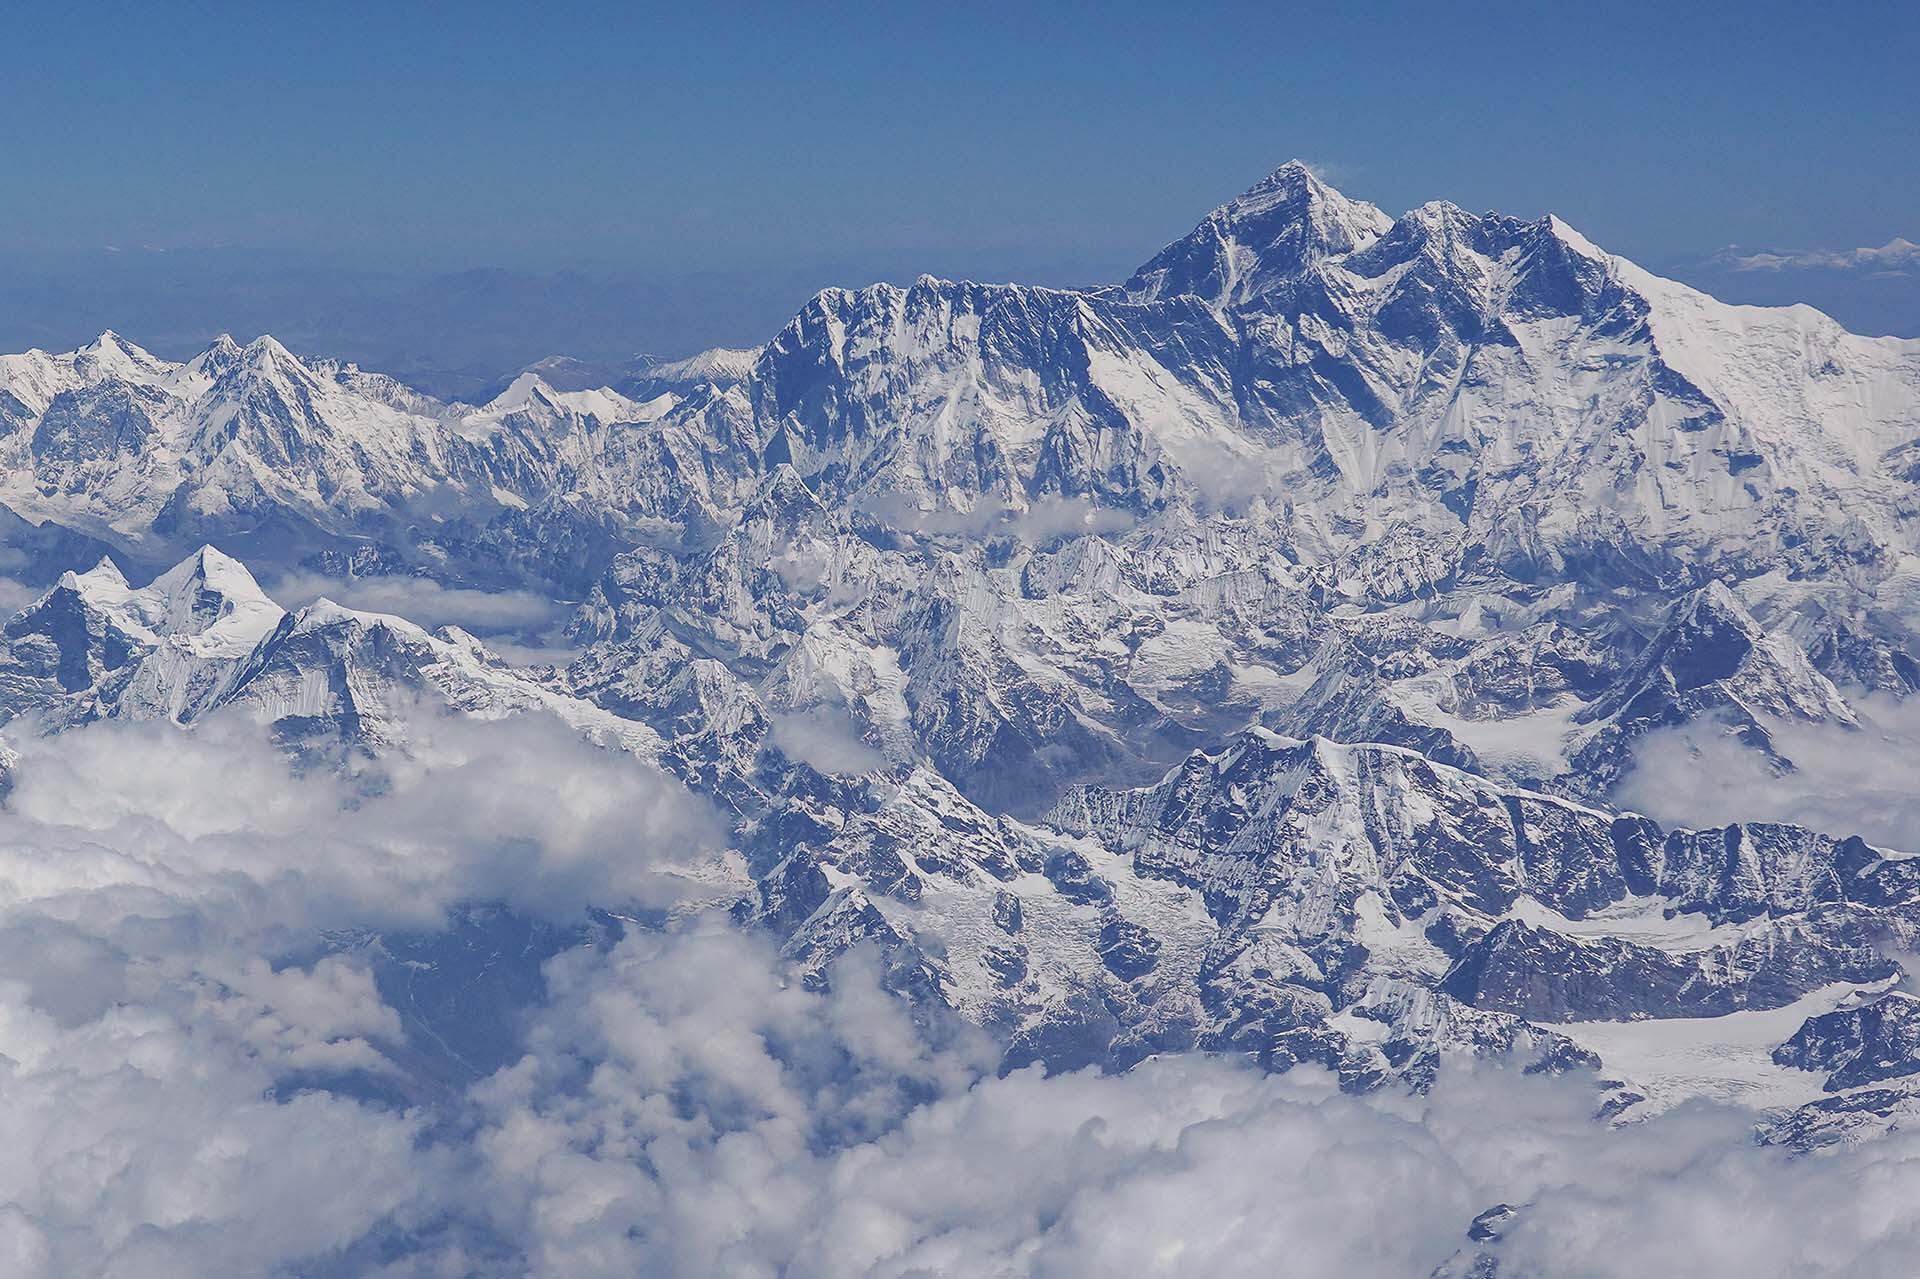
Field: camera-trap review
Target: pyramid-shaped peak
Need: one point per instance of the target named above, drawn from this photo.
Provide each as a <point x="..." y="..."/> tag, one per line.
<point x="219" y="357"/>
<point x="268" y="347"/>
<point x="112" y="354"/>
<point x="213" y="567"/>
<point x="1295" y="184"/>
<point x="104" y="577"/>
<point x="1561" y="231"/>
<point x="1707" y="637"/>
<point x="110" y="342"/>
<point x="1710" y="636"/>
<point x="1715" y="602"/>
<point x="1295" y="176"/>
<point x="783" y="493"/>
<point x="211" y="595"/>
<point x="266" y="355"/>
<point x="106" y="571"/>
<point x="524" y="391"/>
<point x="1256" y="242"/>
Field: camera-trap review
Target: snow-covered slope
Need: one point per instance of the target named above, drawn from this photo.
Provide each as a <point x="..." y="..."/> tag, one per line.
<point x="1240" y="656"/>
<point x="1499" y="390"/>
<point x="254" y="444"/>
<point x="203" y="636"/>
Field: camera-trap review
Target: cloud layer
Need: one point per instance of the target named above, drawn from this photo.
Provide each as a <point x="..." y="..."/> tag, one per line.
<point x="194" y="1079"/>
<point x="426" y="602"/>
<point x="1845" y="781"/>
<point x="1897" y="255"/>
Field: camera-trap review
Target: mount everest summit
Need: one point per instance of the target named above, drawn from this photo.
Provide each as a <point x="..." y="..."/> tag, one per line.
<point x="1243" y="657"/>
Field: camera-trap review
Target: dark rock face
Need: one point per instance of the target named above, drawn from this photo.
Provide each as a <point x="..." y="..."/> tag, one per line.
<point x="1543" y="975"/>
<point x="1128" y="950"/>
<point x="1480" y="1260"/>
<point x="1008" y="964"/>
<point x="1262" y="899"/>
<point x="111" y="420"/>
<point x="1856" y="1046"/>
<point x="789" y="897"/>
<point x="1848" y="657"/>
<point x="1075" y="879"/>
<point x="1006" y="912"/>
<point x="1712" y="661"/>
<point x="1849" y="1116"/>
<point x="64" y="639"/>
<point x="1492" y="1223"/>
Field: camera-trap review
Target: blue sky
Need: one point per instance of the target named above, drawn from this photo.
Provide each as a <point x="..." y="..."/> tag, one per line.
<point x="732" y="157"/>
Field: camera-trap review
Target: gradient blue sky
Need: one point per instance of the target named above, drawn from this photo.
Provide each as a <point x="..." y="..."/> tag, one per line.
<point x="735" y="156"/>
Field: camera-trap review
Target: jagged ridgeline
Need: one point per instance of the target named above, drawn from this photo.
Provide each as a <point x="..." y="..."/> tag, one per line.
<point x="1245" y="656"/>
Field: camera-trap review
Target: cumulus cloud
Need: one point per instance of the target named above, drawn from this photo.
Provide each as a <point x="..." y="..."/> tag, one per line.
<point x="826" y="738"/>
<point x="523" y="812"/>
<point x="683" y="1111"/>
<point x="683" y="1108"/>
<point x="1862" y="782"/>
<point x="171" y="1015"/>
<point x="143" y="1143"/>
<point x="695" y="1140"/>
<point x="183" y="1059"/>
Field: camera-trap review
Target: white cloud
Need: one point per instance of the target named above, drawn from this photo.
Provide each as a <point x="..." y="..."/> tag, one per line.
<point x="1331" y="174"/>
<point x="682" y="1112"/>
<point x="522" y="811"/>
<point x="1895" y="256"/>
<point x="161" y="1066"/>
<point x="1862" y="782"/>
<point x="826" y="738"/>
<point x="141" y="1139"/>
<point x="426" y="602"/>
<point x="682" y="1107"/>
<point x="325" y="1019"/>
<point x="138" y="1147"/>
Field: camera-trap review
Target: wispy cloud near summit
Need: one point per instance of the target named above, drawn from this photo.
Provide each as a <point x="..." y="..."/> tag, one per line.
<point x="1897" y="256"/>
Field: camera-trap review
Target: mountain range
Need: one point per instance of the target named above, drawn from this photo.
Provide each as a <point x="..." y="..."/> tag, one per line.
<point x="1246" y="656"/>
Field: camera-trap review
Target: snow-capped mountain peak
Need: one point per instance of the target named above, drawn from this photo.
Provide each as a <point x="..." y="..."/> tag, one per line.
<point x="1281" y="225"/>
<point x="1319" y="586"/>
<point x="208" y="602"/>
<point x="212" y="597"/>
<point x="104" y="579"/>
<point x="1579" y="243"/>
<point x="267" y="351"/>
<point x="219" y="359"/>
<point x="530" y="392"/>
<point x="111" y="355"/>
<point x="720" y="365"/>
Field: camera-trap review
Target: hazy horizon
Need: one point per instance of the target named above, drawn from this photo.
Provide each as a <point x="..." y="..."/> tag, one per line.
<point x="456" y="200"/>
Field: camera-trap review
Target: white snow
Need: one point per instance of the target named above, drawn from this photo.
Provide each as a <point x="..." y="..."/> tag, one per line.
<point x="1726" y="1058"/>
